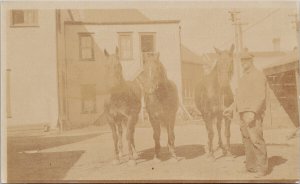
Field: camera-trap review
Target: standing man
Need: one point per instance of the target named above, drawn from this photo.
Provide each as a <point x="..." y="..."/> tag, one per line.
<point x="250" y="103"/>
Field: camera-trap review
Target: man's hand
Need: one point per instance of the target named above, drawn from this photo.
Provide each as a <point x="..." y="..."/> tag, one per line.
<point x="249" y="118"/>
<point x="228" y="112"/>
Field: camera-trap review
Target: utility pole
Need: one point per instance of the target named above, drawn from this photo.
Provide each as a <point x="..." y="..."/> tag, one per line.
<point x="238" y="39"/>
<point x="234" y="18"/>
<point x="240" y="24"/>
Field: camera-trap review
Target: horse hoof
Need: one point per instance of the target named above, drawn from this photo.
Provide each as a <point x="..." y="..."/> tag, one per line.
<point x="131" y="162"/>
<point x="224" y="151"/>
<point x="116" y="162"/>
<point x="211" y="157"/>
<point x="228" y="154"/>
<point x="156" y="160"/>
<point x="174" y="160"/>
<point x="135" y="156"/>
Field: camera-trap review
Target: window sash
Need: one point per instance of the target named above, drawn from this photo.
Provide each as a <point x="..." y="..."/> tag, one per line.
<point x="24" y="18"/>
<point x="86" y="49"/>
<point x="188" y="90"/>
<point x="148" y="42"/>
<point x="125" y="45"/>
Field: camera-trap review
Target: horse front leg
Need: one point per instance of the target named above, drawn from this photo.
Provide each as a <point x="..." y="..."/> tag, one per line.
<point x="116" y="160"/>
<point x="156" y="136"/>
<point x="134" y="152"/>
<point x="171" y="139"/>
<point x="210" y="134"/>
<point x="227" y="135"/>
<point x="219" y="127"/>
<point x="130" y="131"/>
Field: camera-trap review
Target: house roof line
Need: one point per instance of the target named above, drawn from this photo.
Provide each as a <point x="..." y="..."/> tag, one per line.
<point x="292" y="58"/>
<point x="123" y="23"/>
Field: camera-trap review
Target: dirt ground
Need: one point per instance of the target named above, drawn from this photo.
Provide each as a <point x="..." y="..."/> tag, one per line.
<point x="87" y="154"/>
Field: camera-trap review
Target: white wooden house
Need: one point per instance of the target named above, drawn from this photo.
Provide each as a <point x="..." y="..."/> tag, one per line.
<point x="92" y="31"/>
<point x="54" y="60"/>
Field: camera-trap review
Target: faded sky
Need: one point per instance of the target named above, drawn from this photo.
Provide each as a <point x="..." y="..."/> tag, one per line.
<point x="205" y="25"/>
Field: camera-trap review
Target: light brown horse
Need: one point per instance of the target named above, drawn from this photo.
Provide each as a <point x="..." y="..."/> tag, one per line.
<point x="161" y="99"/>
<point x="123" y="105"/>
<point x="213" y="94"/>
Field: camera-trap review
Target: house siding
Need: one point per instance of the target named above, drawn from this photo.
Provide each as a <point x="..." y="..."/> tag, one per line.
<point x="31" y="57"/>
<point x="107" y="37"/>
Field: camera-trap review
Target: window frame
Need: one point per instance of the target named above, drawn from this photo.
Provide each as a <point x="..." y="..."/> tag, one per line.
<point x="86" y="34"/>
<point x="33" y="24"/>
<point x="188" y="89"/>
<point x="120" y="34"/>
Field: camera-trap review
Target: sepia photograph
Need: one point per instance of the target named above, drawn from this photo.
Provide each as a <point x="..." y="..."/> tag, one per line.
<point x="150" y="91"/>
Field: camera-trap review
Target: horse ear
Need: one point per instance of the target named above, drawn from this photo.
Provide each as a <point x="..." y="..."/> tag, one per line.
<point x="106" y="53"/>
<point x="218" y="51"/>
<point x="232" y="48"/>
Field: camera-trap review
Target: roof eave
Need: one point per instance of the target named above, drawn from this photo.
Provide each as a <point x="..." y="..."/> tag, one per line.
<point x="123" y="23"/>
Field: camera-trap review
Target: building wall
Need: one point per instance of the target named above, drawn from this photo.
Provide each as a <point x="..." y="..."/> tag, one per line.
<point x="61" y="17"/>
<point x="106" y="37"/>
<point x="31" y="56"/>
<point x="191" y="75"/>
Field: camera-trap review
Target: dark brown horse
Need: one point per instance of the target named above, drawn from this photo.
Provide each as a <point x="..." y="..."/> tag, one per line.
<point x="213" y="94"/>
<point x="161" y="99"/>
<point x="123" y="105"/>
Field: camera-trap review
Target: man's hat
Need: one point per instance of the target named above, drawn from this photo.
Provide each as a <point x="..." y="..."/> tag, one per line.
<point x="246" y="55"/>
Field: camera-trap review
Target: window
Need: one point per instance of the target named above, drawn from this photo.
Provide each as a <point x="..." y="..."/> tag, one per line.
<point x="86" y="47"/>
<point x="88" y="98"/>
<point x="21" y="18"/>
<point x="148" y="42"/>
<point x="125" y="45"/>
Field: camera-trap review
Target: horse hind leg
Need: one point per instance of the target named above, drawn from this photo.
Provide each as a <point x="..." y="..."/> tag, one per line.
<point x="120" y="142"/>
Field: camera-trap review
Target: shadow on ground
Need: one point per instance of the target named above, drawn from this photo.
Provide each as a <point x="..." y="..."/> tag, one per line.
<point x="239" y="150"/>
<point x="40" y="166"/>
<point x="184" y="151"/>
<point x="275" y="161"/>
<point x="22" y="165"/>
<point x="26" y="143"/>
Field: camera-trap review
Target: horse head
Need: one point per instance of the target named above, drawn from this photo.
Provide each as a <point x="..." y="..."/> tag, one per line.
<point x="113" y="69"/>
<point x="153" y="72"/>
<point x="225" y="66"/>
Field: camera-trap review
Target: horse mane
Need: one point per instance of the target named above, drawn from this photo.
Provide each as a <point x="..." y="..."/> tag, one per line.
<point x="230" y="69"/>
<point x="162" y="70"/>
